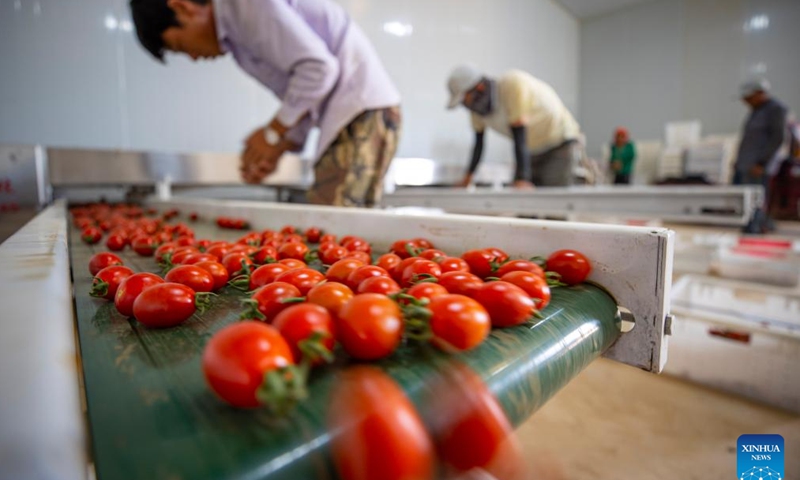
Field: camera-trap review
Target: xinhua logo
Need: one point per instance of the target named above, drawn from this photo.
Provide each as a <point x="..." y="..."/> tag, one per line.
<point x="760" y="457"/>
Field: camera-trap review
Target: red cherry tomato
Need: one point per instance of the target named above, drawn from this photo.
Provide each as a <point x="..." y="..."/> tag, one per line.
<point x="339" y="271"/>
<point x="102" y="260"/>
<point x="165" y="305"/>
<point x="535" y="286"/>
<point x="327" y="238"/>
<point x="499" y="255"/>
<point x="294" y="250"/>
<point x="237" y="357"/>
<point x="163" y="250"/>
<point x="388" y="261"/>
<point x="266" y="274"/>
<point x="91" y="235"/>
<point x="331" y="255"/>
<point x="572" y="265"/>
<point x="237" y="263"/>
<point x="246" y="249"/>
<point x="453" y="264"/>
<point x="419" y="271"/>
<point x="288" y="230"/>
<point x="405" y="248"/>
<point x="219" y="250"/>
<point x="519" y="266"/>
<point x="293" y="263"/>
<point x="433" y="254"/>
<point x="426" y="290"/>
<point x="303" y="278"/>
<point x="293" y="238"/>
<point x="144" y="246"/>
<point x="379" y="433"/>
<point x="196" y="258"/>
<point x="423" y="243"/>
<point x="461" y="283"/>
<point x="185" y="241"/>
<point x="202" y="245"/>
<point x="357" y="244"/>
<point x="358" y="255"/>
<point x="107" y="280"/>
<point x="269" y="299"/>
<point x="331" y="295"/>
<point x="182" y="253"/>
<point x="458" y="323"/>
<point x="116" y="242"/>
<point x="383" y="285"/>
<point x="507" y="304"/>
<point x="130" y="288"/>
<point x="194" y="277"/>
<point x="397" y="273"/>
<point x="472" y="432"/>
<point x="298" y="322"/>
<point x="362" y="273"/>
<point x="265" y="255"/>
<point x="370" y="326"/>
<point x="313" y="235"/>
<point x="217" y="271"/>
<point x="481" y="262"/>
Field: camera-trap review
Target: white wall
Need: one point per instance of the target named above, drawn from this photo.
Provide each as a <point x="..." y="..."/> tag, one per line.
<point x="682" y="60"/>
<point x="68" y="79"/>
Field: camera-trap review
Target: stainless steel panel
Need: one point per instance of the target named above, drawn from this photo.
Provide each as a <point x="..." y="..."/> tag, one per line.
<point x="22" y="177"/>
<point x="703" y="205"/>
<point x="117" y="167"/>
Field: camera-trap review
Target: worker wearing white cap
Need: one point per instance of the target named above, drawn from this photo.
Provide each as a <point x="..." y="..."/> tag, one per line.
<point x="517" y="105"/>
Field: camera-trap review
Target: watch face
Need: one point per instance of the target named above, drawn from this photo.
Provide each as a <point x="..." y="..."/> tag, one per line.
<point x="272" y="137"/>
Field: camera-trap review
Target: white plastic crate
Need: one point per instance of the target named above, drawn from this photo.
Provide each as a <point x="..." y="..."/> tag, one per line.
<point x="738" y="337"/>
<point x="770" y="266"/>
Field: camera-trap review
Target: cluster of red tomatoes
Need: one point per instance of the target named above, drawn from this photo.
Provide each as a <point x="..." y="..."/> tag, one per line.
<point x="304" y="301"/>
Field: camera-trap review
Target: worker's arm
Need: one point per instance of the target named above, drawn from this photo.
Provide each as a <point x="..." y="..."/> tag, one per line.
<point x="477" y="154"/>
<point x="285" y="42"/>
<point x="522" y="171"/>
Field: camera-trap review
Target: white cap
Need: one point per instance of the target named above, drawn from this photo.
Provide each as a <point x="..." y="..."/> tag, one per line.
<point x="751" y="87"/>
<point x="463" y="79"/>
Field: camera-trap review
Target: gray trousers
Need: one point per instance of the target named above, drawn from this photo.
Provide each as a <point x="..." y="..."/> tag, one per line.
<point x="556" y="167"/>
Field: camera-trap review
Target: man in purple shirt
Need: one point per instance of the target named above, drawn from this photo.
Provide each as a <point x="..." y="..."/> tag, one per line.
<point x="317" y="61"/>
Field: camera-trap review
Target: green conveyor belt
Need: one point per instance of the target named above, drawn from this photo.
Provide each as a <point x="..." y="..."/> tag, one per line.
<point x="152" y="416"/>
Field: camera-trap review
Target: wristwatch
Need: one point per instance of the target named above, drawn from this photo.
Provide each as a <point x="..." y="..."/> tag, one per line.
<point x="272" y="136"/>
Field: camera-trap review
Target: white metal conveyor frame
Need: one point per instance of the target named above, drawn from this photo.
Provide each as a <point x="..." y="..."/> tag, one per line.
<point x="710" y="205"/>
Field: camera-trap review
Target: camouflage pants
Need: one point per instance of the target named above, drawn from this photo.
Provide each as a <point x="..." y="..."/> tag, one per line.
<point x="351" y="170"/>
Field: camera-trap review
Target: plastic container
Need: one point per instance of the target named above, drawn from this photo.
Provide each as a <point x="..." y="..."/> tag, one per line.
<point x="772" y="266"/>
<point x="738" y="337"/>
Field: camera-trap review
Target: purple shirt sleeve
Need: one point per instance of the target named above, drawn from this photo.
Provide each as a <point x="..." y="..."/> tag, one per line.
<point x="279" y="35"/>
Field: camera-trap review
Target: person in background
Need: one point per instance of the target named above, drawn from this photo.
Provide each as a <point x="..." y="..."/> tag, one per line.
<point x="317" y="61"/>
<point x="623" y="156"/>
<point x="763" y="136"/>
<point x="527" y="110"/>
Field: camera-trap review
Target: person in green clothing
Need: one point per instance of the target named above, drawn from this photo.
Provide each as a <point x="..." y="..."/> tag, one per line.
<point x="623" y="155"/>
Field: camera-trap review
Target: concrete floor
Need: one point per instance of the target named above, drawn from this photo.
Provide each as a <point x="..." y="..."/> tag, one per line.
<point x="616" y="422"/>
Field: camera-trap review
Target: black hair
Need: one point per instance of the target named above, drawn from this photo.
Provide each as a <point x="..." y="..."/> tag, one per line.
<point x="151" y="18"/>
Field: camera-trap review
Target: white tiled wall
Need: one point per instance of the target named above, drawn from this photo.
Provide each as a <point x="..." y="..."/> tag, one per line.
<point x="674" y="60"/>
<point x="73" y="74"/>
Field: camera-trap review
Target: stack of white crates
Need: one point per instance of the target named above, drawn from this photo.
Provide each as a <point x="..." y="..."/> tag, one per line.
<point x="712" y="158"/>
